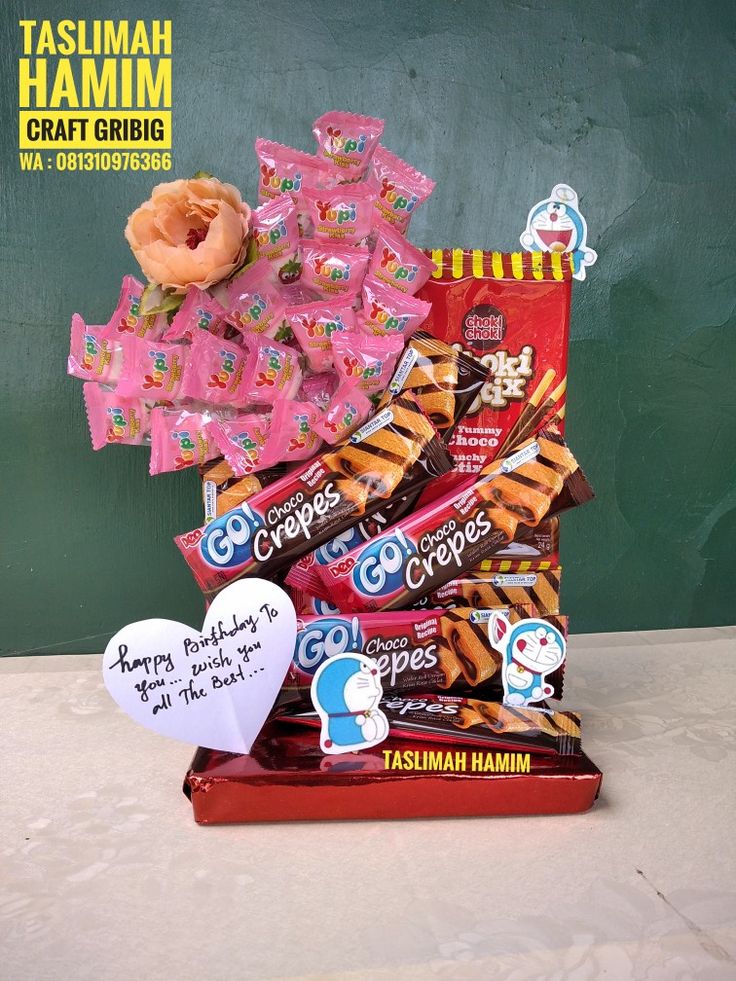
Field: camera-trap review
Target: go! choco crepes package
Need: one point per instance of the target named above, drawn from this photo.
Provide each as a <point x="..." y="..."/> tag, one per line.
<point x="511" y="311"/>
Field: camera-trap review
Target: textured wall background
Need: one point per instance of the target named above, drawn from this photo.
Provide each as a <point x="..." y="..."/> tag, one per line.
<point x="631" y="103"/>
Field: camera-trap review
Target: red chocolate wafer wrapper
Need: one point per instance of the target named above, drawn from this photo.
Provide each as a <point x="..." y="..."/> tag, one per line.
<point x="494" y="590"/>
<point x="398" y="448"/>
<point x="470" y="721"/>
<point x="424" y="551"/>
<point x="431" y="650"/>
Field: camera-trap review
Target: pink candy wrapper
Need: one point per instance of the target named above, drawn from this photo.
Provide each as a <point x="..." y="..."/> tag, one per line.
<point x="255" y="304"/>
<point x="386" y="311"/>
<point x="346" y="142"/>
<point x="316" y="324"/>
<point x="113" y="419"/>
<point x="367" y="362"/>
<point x="272" y="371"/>
<point x="152" y="370"/>
<point x="276" y="233"/>
<point x="400" y="189"/>
<point x="199" y="311"/>
<point x="287" y="171"/>
<point x="214" y="371"/>
<point x="127" y="317"/>
<point x="398" y="263"/>
<point x="348" y="409"/>
<point x="333" y="270"/>
<point x="318" y="389"/>
<point x="241" y="441"/>
<point x="180" y="439"/>
<point x="342" y="214"/>
<point x="93" y="354"/>
<point x="292" y="436"/>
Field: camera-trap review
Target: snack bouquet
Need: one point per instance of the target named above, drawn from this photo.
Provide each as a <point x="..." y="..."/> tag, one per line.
<point x="379" y="429"/>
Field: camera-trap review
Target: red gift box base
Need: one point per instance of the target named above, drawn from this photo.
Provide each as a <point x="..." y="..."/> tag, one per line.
<point x="287" y="778"/>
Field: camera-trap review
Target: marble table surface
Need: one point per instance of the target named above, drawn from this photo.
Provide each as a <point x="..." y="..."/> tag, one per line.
<point x="106" y="876"/>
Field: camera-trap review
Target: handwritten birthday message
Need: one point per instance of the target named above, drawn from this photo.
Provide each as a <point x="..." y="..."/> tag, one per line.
<point x="215" y="687"/>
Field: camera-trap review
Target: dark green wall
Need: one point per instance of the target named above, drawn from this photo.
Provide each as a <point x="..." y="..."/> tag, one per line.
<point x="631" y="103"/>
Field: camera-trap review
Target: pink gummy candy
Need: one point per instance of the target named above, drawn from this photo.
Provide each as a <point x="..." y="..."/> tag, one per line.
<point x="292" y="435"/>
<point x="241" y="441"/>
<point x="283" y="170"/>
<point x="276" y="234"/>
<point x="152" y="370"/>
<point x="255" y="304"/>
<point x="342" y="214"/>
<point x="316" y="324"/>
<point x="127" y="317"/>
<point x="272" y="371"/>
<point x="179" y="439"/>
<point x="318" y="389"/>
<point x="94" y="355"/>
<point x="366" y="361"/>
<point x="400" y="189"/>
<point x="348" y="409"/>
<point x="333" y="270"/>
<point x="387" y="311"/>
<point x="398" y="263"/>
<point x="346" y="142"/>
<point x="113" y="419"/>
<point x="214" y="371"/>
<point x="199" y="311"/>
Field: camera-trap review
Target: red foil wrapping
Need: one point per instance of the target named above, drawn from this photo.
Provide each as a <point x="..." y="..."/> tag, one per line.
<point x="287" y="778"/>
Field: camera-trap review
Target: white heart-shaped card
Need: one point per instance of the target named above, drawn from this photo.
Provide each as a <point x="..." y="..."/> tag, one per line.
<point x="213" y="688"/>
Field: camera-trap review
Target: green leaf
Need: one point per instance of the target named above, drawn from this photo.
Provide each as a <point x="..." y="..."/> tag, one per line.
<point x="157" y="300"/>
<point x="251" y="254"/>
<point x="200" y="174"/>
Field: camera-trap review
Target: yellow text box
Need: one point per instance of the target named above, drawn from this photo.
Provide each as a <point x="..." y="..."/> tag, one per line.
<point x="84" y="130"/>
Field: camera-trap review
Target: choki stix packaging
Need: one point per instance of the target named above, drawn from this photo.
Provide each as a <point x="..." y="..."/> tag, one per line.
<point x="180" y="439"/>
<point x="430" y="650"/>
<point x="386" y="311"/>
<point x="342" y="214"/>
<point x="422" y="552"/>
<point x="293" y="434"/>
<point x="255" y="305"/>
<point x="113" y="419"/>
<point x="94" y="355"/>
<point x="127" y="317"/>
<point x="348" y="409"/>
<point x="152" y="370"/>
<point x="315" y="325"/>
<point x="399" y="188"/>
<point x="333" y="270"/>
<point x="366" y="361"/>
<point x="320" y="498"/>
<point x="346" y="142"/>
<point x="215" y="370"/>
<point x="271" y="372"/>
<point x="398" y="263"/>
<point x="199" y="311"/>
<point x="276" y="234"/>
<point x="512" y="313"/>
<point x="241" y="441"/>
<point x="470" y="721"/>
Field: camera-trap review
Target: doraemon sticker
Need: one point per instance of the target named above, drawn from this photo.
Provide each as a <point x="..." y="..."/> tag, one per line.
<point x="556" y="225"/>
<point x="531" y="650"/>
<point x="346" y="690"/>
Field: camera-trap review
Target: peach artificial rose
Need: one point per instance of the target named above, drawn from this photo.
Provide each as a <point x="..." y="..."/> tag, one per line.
<point x="190" y="233"/>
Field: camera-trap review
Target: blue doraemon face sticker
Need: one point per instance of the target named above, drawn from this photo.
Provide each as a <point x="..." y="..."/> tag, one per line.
<point x="556" y="225"/>
<point x="531" y="650"/>
<point x="346" y="690"/>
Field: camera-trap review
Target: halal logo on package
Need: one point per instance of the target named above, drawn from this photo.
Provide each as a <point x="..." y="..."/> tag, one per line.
<point x="484" y="327"/>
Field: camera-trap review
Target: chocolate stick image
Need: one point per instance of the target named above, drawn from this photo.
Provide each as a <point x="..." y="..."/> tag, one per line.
<point x="534" y="412"/>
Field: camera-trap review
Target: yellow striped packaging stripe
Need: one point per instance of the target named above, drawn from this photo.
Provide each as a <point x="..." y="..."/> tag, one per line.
<point x="517" y="265"/>
<point x="497" y="265"/>
<point x="477" y="263"/>
<point x="457" y="263"/>
<point x="538" y="265"/>
<point x="437" y="260"/>
<point x="556" y="261"/>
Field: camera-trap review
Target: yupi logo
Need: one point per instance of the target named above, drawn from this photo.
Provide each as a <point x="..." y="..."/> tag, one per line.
<point x="246" y="444"/>
<point x="336" y="214"/>
<point x="271" y="180"/>
<point x="332" y="269"/>
<point x="187" y="448"/>
<point x="392" y="264"/>
<point x="91" y="352"/>
<point x="379" y="570"/>
<point x="204" y="318"/>
<point x="397" y="201"/>
<point x="159" y="370"/>
<point x="274" y="367"/>
<point x="354" y="369"/>
<point x="253" y="313"/>
<point x="345" y="144"/>
<point x="270" y="236"/>
<point x="322" y="328"/>
<point x="327" y="638"/>
<point x="221" y="378"/>
<point x="341" y="425"/>
<point x="128" y="323"/>
<point x="118" y="424"/>
<point x="228" y="539"/>
<point x="381" y="317"/>
<point x="299" y="441"/>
